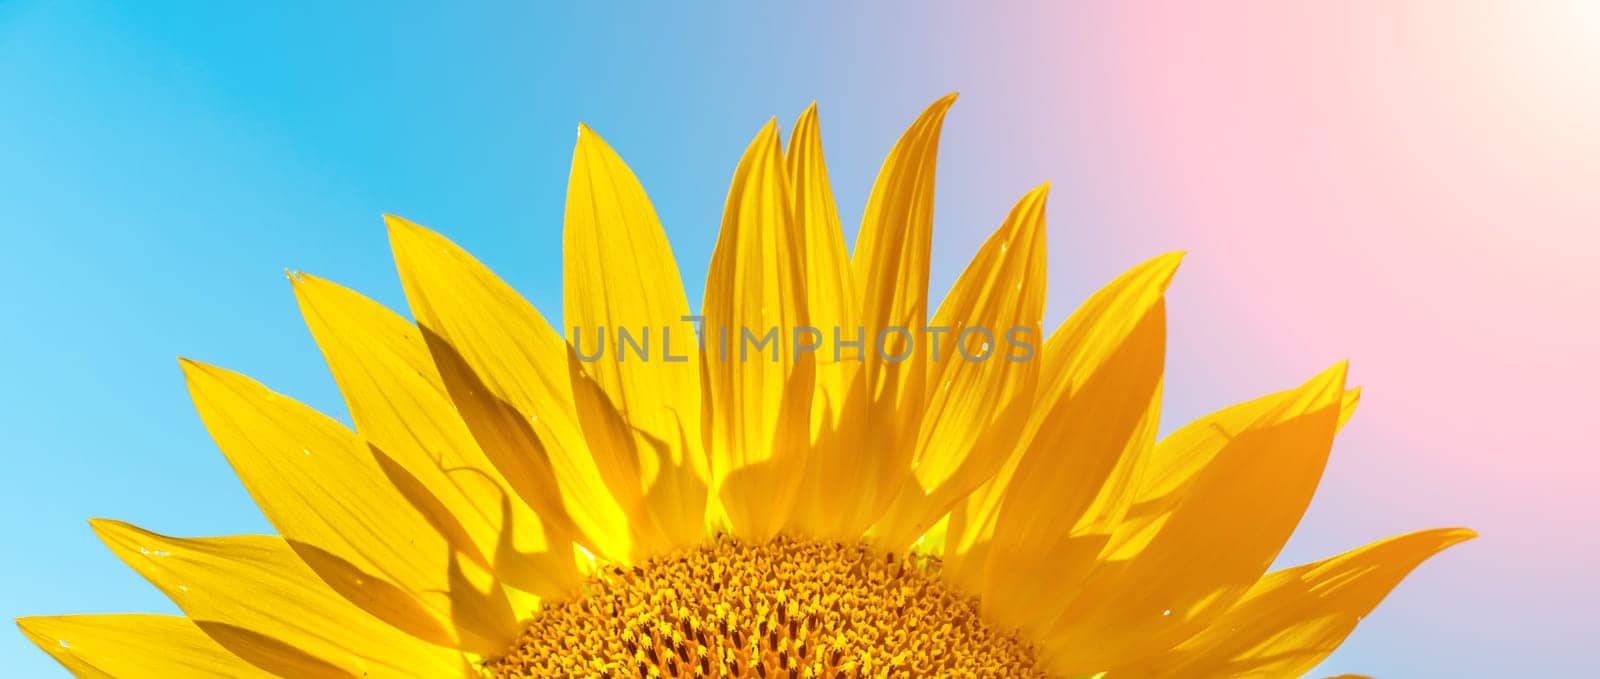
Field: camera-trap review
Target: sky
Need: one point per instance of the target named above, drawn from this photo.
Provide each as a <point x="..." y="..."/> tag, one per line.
<point x="1409" y="185"/>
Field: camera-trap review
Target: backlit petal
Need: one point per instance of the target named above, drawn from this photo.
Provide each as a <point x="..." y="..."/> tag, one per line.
<point x="508" y="372"/>
<point x="1178" y="460"/>
<point x="135" y="647"/>
<point x="758" y="387"/>
<point x="1067" y="481"/>
<point x="1294" y="618"/>
<point x="891" y="274"/>
<point x="255" y="597"/>
<point x="982" y="369"/>
<point x="624" y="298"/>
<point x="398" y="402"/>
<point x="1223" y="533"/>
<point x="838" y="428"/>
<point x="322" y="487"/>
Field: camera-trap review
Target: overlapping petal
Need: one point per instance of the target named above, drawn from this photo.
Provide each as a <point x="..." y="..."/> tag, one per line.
<point x="322" y="487"/>
<point x="982" y="370"/>
<point x="398" y="402"/>
<point x="1292" y="619"/>
<point x="507" y="371"/>
<point x="758" y="385"/>
<point x="1024" y="539"/>
<point x="1221" y="535"/>
<point x="134" y="646"/>
<point x="629" y="322"/>
<point x="891" y="275"/>
<point x="254" y="596"/>
<point x="838" y="422"/>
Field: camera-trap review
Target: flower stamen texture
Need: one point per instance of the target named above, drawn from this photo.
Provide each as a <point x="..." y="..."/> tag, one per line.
<point x="786" y="608"/>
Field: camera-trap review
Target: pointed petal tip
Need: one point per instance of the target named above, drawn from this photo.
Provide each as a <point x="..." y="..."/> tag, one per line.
<point x="403" y="232"/>
<point x="1326" y="388"/>
<point x="1027" y="215"/>
<point x="300" y="279"/>
<point x="399" y="229"/>
<point x="105" y="529"/>
<point x="1036" y="194"/>
<point x="806" y="122"/>
<point x="768" y="139"/>
<point x="396" y="223"/>
<point x="940" y="107"/>
<point x="1332" y="378"/>
<point x="806" y="125"/>
<point x="588" y="139"/>
<point x="101" y="523"/>
<point x="1165" y="266"/>
<point x="193" y="369"/>
<point x="933" y="115"/>
<point x="1040" y="194"/>
<point x="118" y="536"/>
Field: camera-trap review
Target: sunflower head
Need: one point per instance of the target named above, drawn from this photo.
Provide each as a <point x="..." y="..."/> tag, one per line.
<point x="808" y="474"/>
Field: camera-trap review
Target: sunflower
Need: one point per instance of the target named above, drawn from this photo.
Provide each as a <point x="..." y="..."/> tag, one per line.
<point x="518" y="501"/>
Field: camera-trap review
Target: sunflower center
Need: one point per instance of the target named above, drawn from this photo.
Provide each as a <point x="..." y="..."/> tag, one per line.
<point x="785" y="608"/>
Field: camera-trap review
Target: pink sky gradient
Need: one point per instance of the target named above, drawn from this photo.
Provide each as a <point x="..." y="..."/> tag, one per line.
<point x="1418" y="190"/>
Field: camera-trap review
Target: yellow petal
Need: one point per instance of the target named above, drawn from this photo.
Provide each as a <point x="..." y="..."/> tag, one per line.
<point x="982" y="369"/>
<point x="834" y="469"/>
<point x="255" y="597"/>
<point x="135" y="647"/>
<point x="891" y="275"/>
<point x="932" y="541"/>
<point x="398" y="402"/>
<point x="1075" y="481"/>
<point x="1179" y="459"/>
<point x="620" y="277"/>
<point x="830" y="285"/>
<point x="1294" y="618"/>
<point x="1347" y="409"/>
<point x="1067" y="482"/>
<point x="758" y="387"/>
<point x="1078" y="348"/>
<point x="507" y="370"/>
<point x="1222" y="534"/>
<point x="322" y="487"/>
